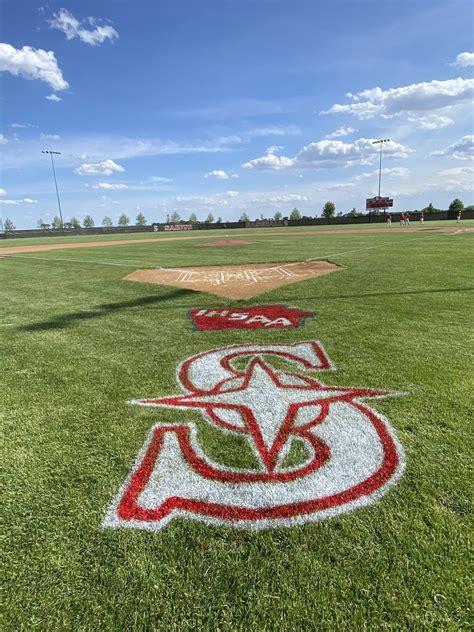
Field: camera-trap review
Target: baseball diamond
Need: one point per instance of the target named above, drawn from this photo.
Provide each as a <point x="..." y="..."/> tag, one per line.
<point x="236" y="324"/>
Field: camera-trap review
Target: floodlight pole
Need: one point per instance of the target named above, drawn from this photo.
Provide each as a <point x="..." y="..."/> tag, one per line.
<point x="58" y="153"/>
<point x="380" y="142"/>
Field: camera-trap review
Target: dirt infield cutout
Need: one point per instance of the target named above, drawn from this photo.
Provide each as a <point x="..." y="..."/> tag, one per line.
<point x="235" y="281"/>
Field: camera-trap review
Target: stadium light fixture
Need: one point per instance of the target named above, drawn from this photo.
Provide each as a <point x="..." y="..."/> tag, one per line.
<point x="56" y="153"/>
<point x="380" y="142"/>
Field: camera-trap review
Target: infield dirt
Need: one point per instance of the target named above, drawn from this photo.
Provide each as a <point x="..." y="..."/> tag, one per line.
<point x="12" y="250"/>
<point x="235" y="281"/>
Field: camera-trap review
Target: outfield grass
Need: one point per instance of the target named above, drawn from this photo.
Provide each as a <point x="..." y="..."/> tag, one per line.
<point x="215" y="232"/>
<point x="77" y="342"/>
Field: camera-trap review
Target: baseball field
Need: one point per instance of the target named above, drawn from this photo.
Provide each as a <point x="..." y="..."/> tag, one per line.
<point x="181" y="514"/>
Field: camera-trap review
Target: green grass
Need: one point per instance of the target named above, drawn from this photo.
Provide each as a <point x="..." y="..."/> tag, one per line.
<point x="77" y="342"/>
<point x="217" y="233"/>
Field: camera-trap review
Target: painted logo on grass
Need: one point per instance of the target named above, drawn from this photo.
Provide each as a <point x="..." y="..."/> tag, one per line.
<point x="261" y="317"/>
<point x="347" y="454"/>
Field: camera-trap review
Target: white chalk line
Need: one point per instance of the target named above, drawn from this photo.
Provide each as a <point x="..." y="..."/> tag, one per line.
<point x="144" y="263"/>
<point x="46" y="259"/>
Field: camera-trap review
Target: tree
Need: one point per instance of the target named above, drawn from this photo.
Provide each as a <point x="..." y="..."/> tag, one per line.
<point x="107" y="222"/>
<point x="209" y="219"/>
<point x="140" y="220"/>
<point x="469" y="208"/>
<point x="277" y="217"/>
<point x="39" y="223"/>
<point x="88" y="222"/>
<point x="56" y="223"/>
<point x="219" y="220"/>
<point x="74" y="223"/>
<point x="329" y="209"/>
<point x="244" y="218"/>
<point x="124" y="220"/>
<point x="456" y="205"/>
<point x="193" y="218"/>
<point x="295" y="214"/>
<point x="175" y="217"/>
<point x="8" y="225"/>
<point x="430" y="209"/>
<point x="353" y="213"/>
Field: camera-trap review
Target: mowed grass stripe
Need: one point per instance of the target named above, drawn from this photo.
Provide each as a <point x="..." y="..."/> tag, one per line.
<point x="84" y="342"/>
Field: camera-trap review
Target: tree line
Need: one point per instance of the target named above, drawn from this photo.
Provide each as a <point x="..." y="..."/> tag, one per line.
<point x="328" y="211"/>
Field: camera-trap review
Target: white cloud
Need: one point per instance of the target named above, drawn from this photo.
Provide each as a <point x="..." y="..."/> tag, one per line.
<point x="220" y="174"/>
<point x="415" y="97"/>
<point x="431" y="122"/>
<point x="103" y="168"/>
<point x="2" y="191"/>
<point x="159" y="179"/>
<point x="272" y="130"/>
<point x="17" y="202"/>
<point x="49" y="136"/>
<point x="329" y="154"/>
<point x="53" y="97"/>
<point x="32" y="63"/>
<point x="270" y="162"/>
<point x="232" y="194"/>
<point x="341" y="131"/>
<point x="90" y="31"/>
<point x="463" y="60"/>
<point x="274" y="149"/>
<point x="110" y="186"/>
<point x="287" y="197"/>
<point x="456" y="179"/>
<point x="19" y="125"/>
<point x="462" y="150"/>
<point x="3" y="140"/>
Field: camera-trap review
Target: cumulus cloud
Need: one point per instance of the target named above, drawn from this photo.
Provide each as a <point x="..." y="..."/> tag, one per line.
<point x="431" y="122"/>
<point x="270" y="162"/>
<point x="2" y="191"/>
<point x="103" y="168"/>
<point x="341" y="131"/>
<point x="329" y="154"/>
<point x="3" y="140"/>
<point x="50" y="136"/>
<point x="53" y="97"/>
<point x="463" y="60"/>
<point x="462" y="150"/>
<point x="32" y="63"/>
<point x="110" y="186"/>
<point x="90" y="31"/>
<point x="274" y="149"/>
<point x="415" y="97"/>
<point x="17" y="202"/>
<point x="220" y="174"/>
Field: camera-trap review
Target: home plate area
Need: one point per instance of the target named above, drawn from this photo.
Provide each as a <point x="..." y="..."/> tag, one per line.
<point x="235" y="281"/>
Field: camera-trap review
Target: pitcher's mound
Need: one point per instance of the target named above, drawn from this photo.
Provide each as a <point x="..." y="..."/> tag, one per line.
<point x="237" y="281"/>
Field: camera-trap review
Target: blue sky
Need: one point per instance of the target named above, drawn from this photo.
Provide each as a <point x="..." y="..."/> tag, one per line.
<point x="231" y="106"/>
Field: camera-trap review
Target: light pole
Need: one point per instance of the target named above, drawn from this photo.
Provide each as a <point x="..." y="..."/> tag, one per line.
<point x="56" y="153"/>
<point x="380" y="142"/>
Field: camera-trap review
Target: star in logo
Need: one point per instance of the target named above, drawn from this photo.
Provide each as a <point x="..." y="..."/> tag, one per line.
<point x="266" y="404"/>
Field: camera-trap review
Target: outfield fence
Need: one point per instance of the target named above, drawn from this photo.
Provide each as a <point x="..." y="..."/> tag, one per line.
<point x="183" y="226"/>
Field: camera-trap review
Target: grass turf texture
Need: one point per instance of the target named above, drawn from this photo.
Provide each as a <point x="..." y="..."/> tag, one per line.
<point x="78" y="342"/>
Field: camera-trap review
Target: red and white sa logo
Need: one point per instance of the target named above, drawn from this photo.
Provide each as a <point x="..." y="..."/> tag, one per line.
<point x="353" y="456"/>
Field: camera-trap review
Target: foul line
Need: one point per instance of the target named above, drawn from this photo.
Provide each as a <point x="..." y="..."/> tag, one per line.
<point x="143" y="263"/>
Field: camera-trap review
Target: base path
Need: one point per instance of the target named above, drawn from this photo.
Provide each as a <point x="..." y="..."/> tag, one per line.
<point x="12" y="250"/>
<point x="235" y="281"/>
